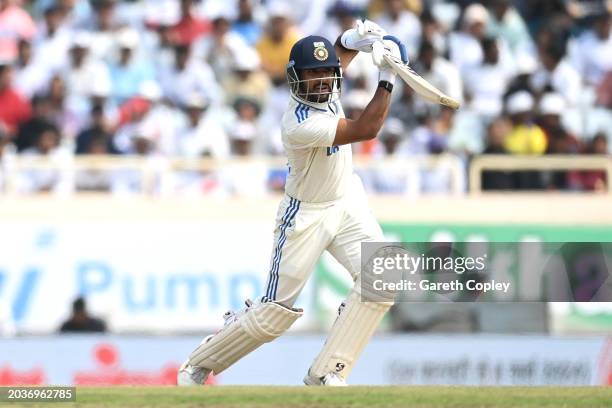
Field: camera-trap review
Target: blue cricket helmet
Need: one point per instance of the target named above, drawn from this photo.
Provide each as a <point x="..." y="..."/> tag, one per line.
<point x="313" y="52"/>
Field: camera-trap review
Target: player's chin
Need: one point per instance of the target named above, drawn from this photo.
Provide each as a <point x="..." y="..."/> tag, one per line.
<point x="319" y="96"/>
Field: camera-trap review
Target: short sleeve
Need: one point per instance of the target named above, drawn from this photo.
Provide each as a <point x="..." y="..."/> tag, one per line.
<point x="316" y="131"/>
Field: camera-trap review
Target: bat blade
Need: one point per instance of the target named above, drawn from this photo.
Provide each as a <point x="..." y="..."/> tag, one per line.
<point x="419" y="84"/>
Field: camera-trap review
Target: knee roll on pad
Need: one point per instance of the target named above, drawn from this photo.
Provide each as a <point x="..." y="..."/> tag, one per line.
<point x="258" y="324"/>
<point x="349" y="335"/>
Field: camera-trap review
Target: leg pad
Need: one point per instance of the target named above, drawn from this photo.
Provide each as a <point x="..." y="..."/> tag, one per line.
<point x="257" y="324"/>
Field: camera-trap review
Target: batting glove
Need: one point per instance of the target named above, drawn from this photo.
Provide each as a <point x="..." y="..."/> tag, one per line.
<point x="362" y="36"/>
<point x="392" y="46"/>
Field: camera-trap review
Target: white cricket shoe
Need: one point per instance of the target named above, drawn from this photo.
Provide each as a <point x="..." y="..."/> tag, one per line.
<point x="329" y="380"/>
<point x="189" y="375"/>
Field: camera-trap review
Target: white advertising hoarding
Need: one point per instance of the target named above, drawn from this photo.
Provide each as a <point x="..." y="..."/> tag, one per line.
<point x="396" y="359"/>
<point x="151" y="276"/>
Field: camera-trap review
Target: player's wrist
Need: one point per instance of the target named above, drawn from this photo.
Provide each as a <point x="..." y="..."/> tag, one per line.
<point x="386" y="75"/>
<point x="386" y="85"/>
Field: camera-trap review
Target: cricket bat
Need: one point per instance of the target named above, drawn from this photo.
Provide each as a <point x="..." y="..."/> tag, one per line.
<point x="418" y="84"/>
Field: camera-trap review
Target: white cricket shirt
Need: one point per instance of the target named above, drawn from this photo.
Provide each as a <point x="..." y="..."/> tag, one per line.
<point x="318" y="171"/>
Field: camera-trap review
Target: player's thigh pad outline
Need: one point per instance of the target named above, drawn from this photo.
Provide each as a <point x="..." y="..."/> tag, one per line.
<point x="257" y="324"/>
<point x="350" y="333"/>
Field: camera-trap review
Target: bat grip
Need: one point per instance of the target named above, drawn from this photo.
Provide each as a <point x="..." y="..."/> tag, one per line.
<point x="402" y="47"/>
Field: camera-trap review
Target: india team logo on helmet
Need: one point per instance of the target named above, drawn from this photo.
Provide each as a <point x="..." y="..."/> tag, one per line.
<point x="320" y="52"/>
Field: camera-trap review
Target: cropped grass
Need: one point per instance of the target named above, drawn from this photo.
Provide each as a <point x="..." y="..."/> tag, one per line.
<point x="355" y="396"/>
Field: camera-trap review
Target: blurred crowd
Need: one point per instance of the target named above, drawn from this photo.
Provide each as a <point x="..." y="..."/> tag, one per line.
<point x="189" y="79"/>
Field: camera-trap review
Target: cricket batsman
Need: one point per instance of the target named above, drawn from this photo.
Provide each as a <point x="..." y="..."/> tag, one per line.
<point x="324" y="208"/>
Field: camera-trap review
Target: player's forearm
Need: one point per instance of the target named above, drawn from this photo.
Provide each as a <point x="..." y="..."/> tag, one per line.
<point x="373" y="117"/>
<point x="367" y="126"/>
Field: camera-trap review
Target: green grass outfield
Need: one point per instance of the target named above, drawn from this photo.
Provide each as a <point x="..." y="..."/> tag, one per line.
<point x="297" y="397"/>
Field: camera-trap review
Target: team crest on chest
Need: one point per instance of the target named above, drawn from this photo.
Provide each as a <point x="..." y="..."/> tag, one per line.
<point x="320" y="52"/>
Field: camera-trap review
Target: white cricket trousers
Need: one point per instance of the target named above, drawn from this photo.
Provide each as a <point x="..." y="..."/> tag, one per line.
<point x="304" y="230"/>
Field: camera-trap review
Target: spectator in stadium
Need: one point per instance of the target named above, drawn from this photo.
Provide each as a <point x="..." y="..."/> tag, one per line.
<point x="245" y="178"/>
<point x="15" y="23"/>
<point x="201" y="135"/>
<point x="526" y="65"/>
<point x="103" y="27"/>
<point x="89" y="140"/>
<point x="160" y="44"/>
<point x="406" y="108"/>
<point x="30" y="77"/>
<point x="40" y="120"/>
<point x="497" y="132"/>
<point x="604" y="93"/>
<point x="465" y="48"/>
<point x="46" y="144"/>
<point x="560" y="140"/>
<point x="507" y="23"/>
<point x="243" y="133"/>
<point x="431" y="136"/>
<point x="14" y="108"/>
<point x="83" y="72"/>
<point x="246" y="79"/>
<point x="377" y="7"/>
<point x="72" y="12"/>
<point x="433" y="33"/>
<point x="592" y="180"/>
<point x="127" y="72"/>
<point x="5" y="146"/>
<point x="128" y="137"/>
<point x="220" y="47"/>
<point x="556" y="74"/>
<point x="81" y="321"/>
<point x="593" y="51"/>
<point x="187" y="75"/>
<point x="403" y="23"/>
<point x="96" y="180"/>
<point x="391" y="137"/>
<point x="245" y="24"/>
<point x="545" y="13"/>
<point x="525" y="138"/>
<point x="161" y="119"/>
<point x="276" y="42"/>
<point x="51" y="44"/>
<point x="440" y="72"/>
<point x="7" y="155"/>
<point x="486" y="82"/>
<point x="342" y="15"/>
<point x="57" y="100"/>
<point x="396" y="175"/>
<point x="191" y="25"/>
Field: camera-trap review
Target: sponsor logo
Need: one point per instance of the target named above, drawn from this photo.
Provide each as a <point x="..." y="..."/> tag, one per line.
<point x="10" y="376"/>
<point x="110" y="372"/>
